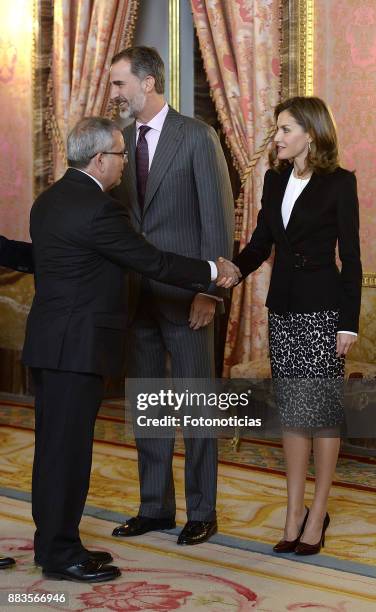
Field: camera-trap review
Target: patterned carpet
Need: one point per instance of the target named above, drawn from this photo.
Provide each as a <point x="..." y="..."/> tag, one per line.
<point x="236" y="570"/>
<point x="157" y="576"/>
<point x="358" y="471"/>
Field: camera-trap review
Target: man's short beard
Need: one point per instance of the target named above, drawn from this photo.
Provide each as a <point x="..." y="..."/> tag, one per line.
<point x="134" y="107"/>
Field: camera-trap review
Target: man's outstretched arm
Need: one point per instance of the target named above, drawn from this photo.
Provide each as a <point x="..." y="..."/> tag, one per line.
<point x="16" y="255"/>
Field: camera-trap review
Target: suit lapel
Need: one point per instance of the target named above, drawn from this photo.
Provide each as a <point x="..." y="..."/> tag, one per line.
<point x="130" y="173"/>
<point x="277" y="198"/>
<point x="168" y="143"/>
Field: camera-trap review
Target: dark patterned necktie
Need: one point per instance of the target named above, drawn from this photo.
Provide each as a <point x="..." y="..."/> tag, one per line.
<point x="142" y="163"/>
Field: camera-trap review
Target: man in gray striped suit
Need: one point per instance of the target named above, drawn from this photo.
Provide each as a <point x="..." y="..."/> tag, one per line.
<point x="177" y="190"/>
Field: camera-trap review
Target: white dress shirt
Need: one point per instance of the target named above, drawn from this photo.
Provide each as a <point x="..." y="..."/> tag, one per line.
<point x="293" y="190"/>
<point x="152" y="136"/>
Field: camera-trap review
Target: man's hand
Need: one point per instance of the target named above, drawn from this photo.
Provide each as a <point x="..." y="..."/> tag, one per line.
<point x="344" y="343"/>
<point x="228" y="273"/>
<point x="202" y="311"/>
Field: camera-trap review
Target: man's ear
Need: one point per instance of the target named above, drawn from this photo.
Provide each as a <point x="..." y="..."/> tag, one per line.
<point x="99" y="160"/>
<point x="148" y="84"/>
<point x="97" y="163"/>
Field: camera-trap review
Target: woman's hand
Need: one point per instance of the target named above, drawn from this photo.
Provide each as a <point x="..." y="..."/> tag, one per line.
<point x="344" y="343"/>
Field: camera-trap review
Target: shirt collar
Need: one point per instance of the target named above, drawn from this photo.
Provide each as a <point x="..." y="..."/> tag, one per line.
<point x="158" y="120"/>
<point x="91" y="176"/>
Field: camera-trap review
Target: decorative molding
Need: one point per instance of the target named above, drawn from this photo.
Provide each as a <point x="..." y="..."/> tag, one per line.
<point x="306" y="37"/>
<point x="289" y="53"/>
<point x="369" y="279"/>
<point x="174" y="52"/>
<point x="35" y="116"/>
<point x="41" y="60"/>
<point x="297" y="48"/>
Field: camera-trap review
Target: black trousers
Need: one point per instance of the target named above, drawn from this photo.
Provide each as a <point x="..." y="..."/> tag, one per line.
<point x="66" y="406"/>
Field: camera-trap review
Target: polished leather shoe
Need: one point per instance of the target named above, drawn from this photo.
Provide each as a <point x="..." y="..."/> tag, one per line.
<point x="6" y="562"/>
<point x="88" y="571"/>
<point x="138" y="525"/>
<point x="100" y="556"/>
<point x="313" y="549"/>
<point x="94" y="555"/>
<point x="196" y="532"/>
<point x="287" y="546"/>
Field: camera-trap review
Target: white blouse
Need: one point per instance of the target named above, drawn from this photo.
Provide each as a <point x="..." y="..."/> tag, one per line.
<point x="293" y="190"/>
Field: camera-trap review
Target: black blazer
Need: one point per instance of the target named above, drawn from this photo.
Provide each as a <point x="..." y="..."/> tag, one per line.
<point x="326" y="213"/>
<point x="82" y="244"/>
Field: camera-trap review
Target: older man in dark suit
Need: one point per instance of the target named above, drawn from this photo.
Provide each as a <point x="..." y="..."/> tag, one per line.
<point x="177" y="190"/>
<point x="75" y="335"/>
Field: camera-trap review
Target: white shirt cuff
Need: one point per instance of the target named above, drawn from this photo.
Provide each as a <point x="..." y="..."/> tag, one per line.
<point x="347" y="332"/>
<point x="212" y="297"/>
<point x="213" y="270"/>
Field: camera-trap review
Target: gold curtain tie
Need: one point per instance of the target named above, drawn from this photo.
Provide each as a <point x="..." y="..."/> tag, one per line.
<point x="256" y="156"/>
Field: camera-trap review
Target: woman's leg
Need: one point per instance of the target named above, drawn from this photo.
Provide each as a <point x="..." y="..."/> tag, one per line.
<point x="297" y="450"/>
<point x="325" y="451"/>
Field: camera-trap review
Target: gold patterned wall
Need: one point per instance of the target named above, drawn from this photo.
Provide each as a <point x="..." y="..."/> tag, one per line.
<point x="345" y="76"/>
<point x="16" y="116"/>
<point x="18" y="29"/>
<point x="329" y="50"/>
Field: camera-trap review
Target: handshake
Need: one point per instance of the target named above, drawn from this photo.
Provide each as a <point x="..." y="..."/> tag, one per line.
<point x="228" y="273"/>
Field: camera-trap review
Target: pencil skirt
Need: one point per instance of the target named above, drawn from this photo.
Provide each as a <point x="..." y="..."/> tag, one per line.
<point x="307" y="374"/>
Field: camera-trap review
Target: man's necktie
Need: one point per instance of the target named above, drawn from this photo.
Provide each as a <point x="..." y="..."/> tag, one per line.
<point x="142" y="163"/>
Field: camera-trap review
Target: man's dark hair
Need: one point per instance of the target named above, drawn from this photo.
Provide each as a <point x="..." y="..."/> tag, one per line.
<point x="144" y="61"/>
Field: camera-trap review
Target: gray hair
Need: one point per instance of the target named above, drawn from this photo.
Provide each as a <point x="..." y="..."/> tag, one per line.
<point x="144" y="61"/>
<point x="89" y="136"/>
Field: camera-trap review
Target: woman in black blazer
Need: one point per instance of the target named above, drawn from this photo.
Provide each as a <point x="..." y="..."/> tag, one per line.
<point x="309" y="205"/>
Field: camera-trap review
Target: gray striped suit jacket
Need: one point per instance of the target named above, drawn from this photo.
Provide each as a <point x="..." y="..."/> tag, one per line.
<point x="188" y="203"/>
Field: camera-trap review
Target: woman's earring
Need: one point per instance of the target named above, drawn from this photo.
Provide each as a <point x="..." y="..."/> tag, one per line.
<point x="309" y="146"/>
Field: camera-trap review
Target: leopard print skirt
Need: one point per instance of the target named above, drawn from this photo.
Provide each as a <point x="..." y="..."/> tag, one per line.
<point x="307" y="374"/>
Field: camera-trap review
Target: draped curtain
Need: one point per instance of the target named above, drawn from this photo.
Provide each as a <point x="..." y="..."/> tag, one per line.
<point x="87" y="33"/>
<point x="240" y="45"/>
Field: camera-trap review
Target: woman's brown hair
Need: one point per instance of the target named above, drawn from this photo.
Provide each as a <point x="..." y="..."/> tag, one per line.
<point x="314" y="117"/>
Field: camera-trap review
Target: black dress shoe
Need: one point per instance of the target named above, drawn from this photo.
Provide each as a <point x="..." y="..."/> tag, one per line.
<point x="88" y="571"/>
<point x="100" y="556"/>
<point x="94" y="555"/>
<point x="138" y="525"/>
<point x="196" y="532"/>
<point x="6" y="562"/>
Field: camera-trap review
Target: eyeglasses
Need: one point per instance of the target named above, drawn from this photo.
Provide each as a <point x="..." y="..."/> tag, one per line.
<point x="123" y="153"/>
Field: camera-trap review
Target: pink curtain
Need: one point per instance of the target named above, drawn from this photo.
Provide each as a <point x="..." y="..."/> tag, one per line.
<point x="87" y="33"/>
<point x="239" y="41"/>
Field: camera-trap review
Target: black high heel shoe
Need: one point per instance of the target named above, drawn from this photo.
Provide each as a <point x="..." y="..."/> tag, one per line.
<point x="286" y="546"/>
<point x="312" y="549"/>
